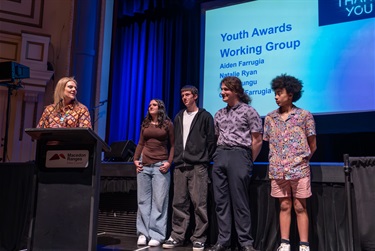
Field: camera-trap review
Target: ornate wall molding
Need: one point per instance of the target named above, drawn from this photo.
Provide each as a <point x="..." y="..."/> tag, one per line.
<point x="34" y="54"/>
<point x="10" y="47"/>
<point x="22" y="12"/>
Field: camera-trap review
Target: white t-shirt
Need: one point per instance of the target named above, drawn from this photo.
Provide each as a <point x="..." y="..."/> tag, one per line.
<point x="187" y="119"/>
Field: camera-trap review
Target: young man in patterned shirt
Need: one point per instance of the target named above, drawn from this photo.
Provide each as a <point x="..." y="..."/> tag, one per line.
<point x="291" y="134"/>
<point x="239" y="131"/>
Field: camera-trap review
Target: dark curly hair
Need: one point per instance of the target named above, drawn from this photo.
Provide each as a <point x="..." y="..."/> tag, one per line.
<point x="290" y="83"/>
<point x="163" y="118"/>
<point x="235" y="85"/>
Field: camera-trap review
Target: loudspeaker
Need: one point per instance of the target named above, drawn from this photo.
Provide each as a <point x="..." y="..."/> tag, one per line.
<point x="121" y="151"/>
<point x="12" y="70"/>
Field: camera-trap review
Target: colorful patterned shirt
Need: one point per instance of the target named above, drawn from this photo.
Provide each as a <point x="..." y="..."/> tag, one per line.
<point x="289" y="148"/>
<point x="234" y="125"/>
<point x="72" y="115"/>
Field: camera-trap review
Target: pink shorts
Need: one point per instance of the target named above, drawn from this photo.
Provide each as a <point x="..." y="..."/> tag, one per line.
<point x="300" y="188"/>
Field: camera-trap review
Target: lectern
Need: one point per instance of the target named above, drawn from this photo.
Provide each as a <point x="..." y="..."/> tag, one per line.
<point x="67" y="189"/>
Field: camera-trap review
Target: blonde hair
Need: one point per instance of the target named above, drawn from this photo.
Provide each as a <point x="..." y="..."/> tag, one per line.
<point x="58" y="95"/>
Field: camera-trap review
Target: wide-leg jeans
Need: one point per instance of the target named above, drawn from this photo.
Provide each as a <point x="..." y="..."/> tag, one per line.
<point x="153" y="197"/>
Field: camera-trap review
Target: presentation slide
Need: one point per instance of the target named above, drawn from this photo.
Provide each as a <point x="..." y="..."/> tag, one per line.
<point x="328" y="44"/>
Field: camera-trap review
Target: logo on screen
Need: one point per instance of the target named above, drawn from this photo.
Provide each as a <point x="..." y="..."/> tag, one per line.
<point x="340" y="11"/>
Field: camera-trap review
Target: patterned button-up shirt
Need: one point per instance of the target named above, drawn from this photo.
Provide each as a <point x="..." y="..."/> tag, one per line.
<point x="289" y="148"/>
<point x="234" y="125"/>
<point x="72" y="115"/>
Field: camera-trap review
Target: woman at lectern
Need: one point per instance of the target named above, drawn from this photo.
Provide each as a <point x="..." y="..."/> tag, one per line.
<point x="66" y="111"/>
<point x="152" y="161"/>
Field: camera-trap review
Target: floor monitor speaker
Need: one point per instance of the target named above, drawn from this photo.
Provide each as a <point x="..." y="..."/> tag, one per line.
<point x="121" y="151"/>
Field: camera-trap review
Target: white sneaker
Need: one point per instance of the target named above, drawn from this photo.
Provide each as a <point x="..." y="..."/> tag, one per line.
<point x="304" y="248"/>
<point x="153" y="243"/>
<point x="142" y="241"/>
<point x="198" y="246"/>
<point x="284" y="247"/>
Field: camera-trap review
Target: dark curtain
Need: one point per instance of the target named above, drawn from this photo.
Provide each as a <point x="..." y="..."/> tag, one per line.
<point x="363" y="178"/>
<point x="328" y="224"/>
<point x="16" y="191"/>
<point x="155" y="52"/>
<point x="328" y="230"/>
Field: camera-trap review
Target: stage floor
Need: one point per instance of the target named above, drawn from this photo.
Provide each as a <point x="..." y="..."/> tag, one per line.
<point x="115" y="242"/>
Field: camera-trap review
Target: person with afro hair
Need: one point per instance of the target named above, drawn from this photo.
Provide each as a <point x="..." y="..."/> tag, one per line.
<point x="291" y="134"/>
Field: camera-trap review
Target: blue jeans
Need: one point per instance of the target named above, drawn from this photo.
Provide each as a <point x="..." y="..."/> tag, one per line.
<point x="153" y="197"/>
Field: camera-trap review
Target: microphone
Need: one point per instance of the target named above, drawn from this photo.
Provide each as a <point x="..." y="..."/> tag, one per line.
<point x="103" y="102"/>
<point x="54" y="107"/>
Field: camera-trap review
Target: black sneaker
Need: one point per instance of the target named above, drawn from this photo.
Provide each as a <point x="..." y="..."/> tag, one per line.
<point x="198" y="246"/>
<point x="218" y="247"/>
<point x="170" y="243"/>
<point x="248" y="248"/>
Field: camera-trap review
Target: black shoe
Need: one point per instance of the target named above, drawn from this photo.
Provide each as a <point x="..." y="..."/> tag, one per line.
<point x="248" y="248"/>
<point x="170" y="243"/>
<point x="218" y="247"/>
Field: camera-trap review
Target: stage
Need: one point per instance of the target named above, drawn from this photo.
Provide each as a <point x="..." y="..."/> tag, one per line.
<point x="118" y="204"/>
<point x="329" y="216"/>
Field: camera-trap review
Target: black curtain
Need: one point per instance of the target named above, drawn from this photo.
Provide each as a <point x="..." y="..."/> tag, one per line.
<point x="328" y="229"/>
<point x="16" y="191"/>
<point x="363" y="178"/>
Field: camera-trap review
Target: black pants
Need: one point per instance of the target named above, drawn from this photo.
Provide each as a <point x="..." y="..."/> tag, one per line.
<point x="231" y="177"/>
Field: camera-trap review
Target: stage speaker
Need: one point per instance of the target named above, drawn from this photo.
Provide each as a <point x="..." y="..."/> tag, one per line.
<point x="121" y="151"/>
<point x="12" y="70"/>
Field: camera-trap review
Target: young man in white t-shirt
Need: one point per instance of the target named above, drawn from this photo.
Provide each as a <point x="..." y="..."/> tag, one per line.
<point x="194" y="147"/>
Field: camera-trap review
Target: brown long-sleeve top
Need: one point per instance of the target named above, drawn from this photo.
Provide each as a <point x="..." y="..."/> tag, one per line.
<point x="153" y="144"/>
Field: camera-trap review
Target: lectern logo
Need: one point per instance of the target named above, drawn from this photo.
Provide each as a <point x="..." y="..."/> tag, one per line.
<point x="67" y="159"/>
<point x="57" y="156"/>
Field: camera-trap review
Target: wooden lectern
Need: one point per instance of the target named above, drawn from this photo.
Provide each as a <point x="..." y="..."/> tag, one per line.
<point x="67" y="189"/>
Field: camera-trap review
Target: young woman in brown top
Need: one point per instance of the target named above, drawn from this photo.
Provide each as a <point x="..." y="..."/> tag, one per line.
<point x="153" y="161"/>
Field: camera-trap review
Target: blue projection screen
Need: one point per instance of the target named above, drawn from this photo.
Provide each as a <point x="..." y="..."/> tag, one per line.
<point x="329" y="45"/>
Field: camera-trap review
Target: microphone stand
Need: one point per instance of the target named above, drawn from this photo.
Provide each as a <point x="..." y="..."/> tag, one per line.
<point x="347" y="171"/>
<point x="101" y="103"/>
<point x="10" y="87"/>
